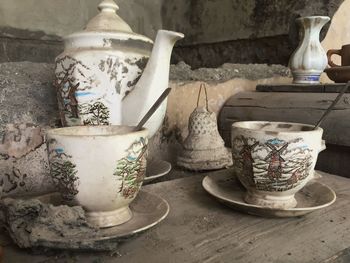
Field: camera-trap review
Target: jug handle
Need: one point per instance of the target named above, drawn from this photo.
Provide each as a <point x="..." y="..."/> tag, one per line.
<point x="329" y="56"/>
<point x="202" y="86"/>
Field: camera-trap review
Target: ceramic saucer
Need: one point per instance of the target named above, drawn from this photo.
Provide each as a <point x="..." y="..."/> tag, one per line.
<point x="156" y="168"/>
<point x="339" y="74"/>
<point x="148" y="210"/>
<point x="227" y="189"/>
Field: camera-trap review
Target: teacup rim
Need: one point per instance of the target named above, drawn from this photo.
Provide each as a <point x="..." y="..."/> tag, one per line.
<point x="318" y="129"/>
<point x="58" y="131"/>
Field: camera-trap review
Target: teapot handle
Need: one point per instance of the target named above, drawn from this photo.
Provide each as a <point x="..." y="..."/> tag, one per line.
<point x="206" y="95"/>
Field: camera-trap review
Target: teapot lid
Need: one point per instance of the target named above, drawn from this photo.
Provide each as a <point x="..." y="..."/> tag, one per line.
<point x="108" y="20"/>
<point x="107" y="25"/>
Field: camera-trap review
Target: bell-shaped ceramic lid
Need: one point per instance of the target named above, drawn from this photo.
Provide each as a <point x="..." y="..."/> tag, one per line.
<point x="105" y="27"/>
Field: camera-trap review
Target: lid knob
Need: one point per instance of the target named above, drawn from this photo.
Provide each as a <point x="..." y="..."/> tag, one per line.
<point x="108" y="5"/>
<point x="108" y="20"/>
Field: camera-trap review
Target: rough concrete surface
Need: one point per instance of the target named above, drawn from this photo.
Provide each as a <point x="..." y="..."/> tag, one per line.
<point x="29" y="221"/>
<point x="20" y="139"/>
<point x="26" y="93"/>
<point x="183" y="72"/>
<point x="28" y="103"/>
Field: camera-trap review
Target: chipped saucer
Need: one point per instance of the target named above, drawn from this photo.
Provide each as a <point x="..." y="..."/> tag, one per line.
<point x="227" y="189"/>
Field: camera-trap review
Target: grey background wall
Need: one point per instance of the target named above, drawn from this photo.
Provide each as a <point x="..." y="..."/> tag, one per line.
<point x="217" y="31"/>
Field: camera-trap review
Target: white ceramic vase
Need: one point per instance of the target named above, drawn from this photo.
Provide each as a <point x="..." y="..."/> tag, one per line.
<point x="309" y="60"/>
<point x="274" y="160"/>
<point x="100" y="168"/>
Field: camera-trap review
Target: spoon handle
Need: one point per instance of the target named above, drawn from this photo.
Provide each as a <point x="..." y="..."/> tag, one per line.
<point x="153" y="109"/>
<point x="330" y="108"/>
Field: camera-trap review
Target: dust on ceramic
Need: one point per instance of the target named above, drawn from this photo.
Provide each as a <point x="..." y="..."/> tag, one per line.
<point x="203" y="149"/>
<point x="227" y="189"/>
<point x="274" y="160"/>
<point x="100" y="168"/>
<point x="309" y="60"/>
<point x="108" y="76"/>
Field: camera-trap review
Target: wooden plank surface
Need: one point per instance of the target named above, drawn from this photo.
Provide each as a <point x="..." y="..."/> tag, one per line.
<point x="291" y="107"/>
<point x="333" y="87"/>
<point x="200" y="229"/>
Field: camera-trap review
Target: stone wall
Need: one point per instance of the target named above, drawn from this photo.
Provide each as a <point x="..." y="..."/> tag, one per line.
<point x="217" y="31"/>
<point x="32" y="30"/>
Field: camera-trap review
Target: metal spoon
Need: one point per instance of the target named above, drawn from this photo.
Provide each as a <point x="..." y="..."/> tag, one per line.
<point x="153" y="109"/>
<point x="330" y="108"/>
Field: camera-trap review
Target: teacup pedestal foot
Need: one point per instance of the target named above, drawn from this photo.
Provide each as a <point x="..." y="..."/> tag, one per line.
<point x="109" y="218"/>
<point x="280" y="202"/>
<point x="306" y="77"/>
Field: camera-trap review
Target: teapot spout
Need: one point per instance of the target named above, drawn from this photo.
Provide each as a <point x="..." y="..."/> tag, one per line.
<point x="153" y="82"/>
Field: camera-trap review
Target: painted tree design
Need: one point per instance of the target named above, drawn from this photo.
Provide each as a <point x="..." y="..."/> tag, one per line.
<point x="71" y="76"/>
<point x="67" y="102"/>
<point x="131" y="169"/>
<point x="98" y="114"/>
<point x="63" y="171"/>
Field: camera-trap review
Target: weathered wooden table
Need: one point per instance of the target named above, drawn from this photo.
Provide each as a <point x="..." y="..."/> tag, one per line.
<point x="200" y="229"/>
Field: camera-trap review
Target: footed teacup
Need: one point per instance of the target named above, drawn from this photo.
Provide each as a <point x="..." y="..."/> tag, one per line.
<point x="274" y="160"/>
<point x="100" y="168"/>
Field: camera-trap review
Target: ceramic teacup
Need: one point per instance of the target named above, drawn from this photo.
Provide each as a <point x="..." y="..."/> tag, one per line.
<point x="344" y="53"/>
<point x="274" y="160"/>
<point x="100" y="168"/>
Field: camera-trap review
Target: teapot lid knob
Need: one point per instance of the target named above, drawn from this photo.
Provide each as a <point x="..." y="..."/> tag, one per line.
<point x="108" y="20"/>
<point x="108" y="5"/>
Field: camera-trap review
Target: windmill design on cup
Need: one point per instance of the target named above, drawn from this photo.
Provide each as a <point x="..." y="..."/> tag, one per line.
<point x="274" y="171"/>
<point x="247" y="159"/>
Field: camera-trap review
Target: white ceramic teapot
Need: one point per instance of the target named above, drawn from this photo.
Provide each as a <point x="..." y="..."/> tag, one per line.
<point x="102" y="77"/>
